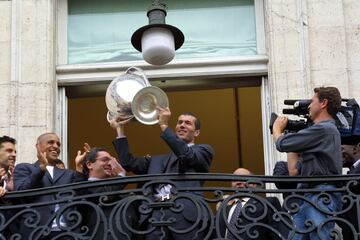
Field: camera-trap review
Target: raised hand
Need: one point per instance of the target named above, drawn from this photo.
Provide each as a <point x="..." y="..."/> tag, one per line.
<point x="116" y="168"/>
<point x="2" y="191"/>
<point x="163" y="117"/>
<point x="87" y="147"/>
<point x="279" y="126"/>
<point x="10" y="184"/>
<point x="3" y="173"/>
<point x="118" y="126"/>
<point x="80" y="157"/>
<point x="42" y="158"/>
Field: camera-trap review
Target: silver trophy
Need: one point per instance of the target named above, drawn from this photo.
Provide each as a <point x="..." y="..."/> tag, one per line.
<point x="131" y="96"/>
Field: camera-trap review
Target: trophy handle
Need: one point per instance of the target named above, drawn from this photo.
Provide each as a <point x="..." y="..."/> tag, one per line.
<point x="139" y="72"/>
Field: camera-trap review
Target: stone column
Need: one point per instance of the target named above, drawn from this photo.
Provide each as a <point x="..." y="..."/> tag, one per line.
<point x="27" y="72"/>
<point x="311" y="43"/>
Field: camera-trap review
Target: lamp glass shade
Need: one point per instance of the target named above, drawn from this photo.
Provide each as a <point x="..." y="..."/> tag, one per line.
<point x="158" y="46"/>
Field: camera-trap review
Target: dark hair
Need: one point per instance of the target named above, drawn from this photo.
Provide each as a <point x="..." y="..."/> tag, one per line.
<point x="197" y="121"/>
<point x="5" y="139"/>
<point x="39" y="139"/>
<point x="332" y="95"/>
<point x="91" y="157"/>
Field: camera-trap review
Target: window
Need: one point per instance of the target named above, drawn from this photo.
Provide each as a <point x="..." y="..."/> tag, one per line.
<point x="100" y="30"/>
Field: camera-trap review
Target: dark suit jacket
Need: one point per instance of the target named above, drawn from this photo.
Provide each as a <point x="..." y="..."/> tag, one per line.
<point x="29" y="176"/>
<point x="196" y="158"/>
<point x="182" y="159"/>
<point x="355" y="170"/>
<point x="267" y="219"/>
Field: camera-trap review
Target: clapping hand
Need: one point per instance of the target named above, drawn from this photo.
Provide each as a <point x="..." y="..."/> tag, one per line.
<point x="80" y="157"/>
<point x="42" y="158"/>
<point x="2" y="173"/>
<point x="116" y="168"/>
<point x="2" y="191"/>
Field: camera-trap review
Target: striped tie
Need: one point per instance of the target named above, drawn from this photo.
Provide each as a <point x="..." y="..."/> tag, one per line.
<point x="235" y="216"/>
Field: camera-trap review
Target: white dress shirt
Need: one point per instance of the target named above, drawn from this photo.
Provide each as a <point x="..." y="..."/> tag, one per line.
<point x="54" y="226"/>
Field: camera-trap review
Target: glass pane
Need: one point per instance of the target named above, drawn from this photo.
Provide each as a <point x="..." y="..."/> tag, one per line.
<point x="100" y="30"/>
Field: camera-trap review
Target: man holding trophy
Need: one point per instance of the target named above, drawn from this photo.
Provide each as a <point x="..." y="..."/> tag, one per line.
<point x="131" y="95"/>
<point x="185" y="157"/>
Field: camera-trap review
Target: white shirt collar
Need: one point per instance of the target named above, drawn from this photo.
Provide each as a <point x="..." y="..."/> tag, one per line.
<point x="93" y="179"/>
<point x="50" y="170"/>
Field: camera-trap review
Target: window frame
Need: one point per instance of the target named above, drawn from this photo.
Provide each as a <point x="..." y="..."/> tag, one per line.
<point x="68" y="73"/>
<point x="83" y="74"/>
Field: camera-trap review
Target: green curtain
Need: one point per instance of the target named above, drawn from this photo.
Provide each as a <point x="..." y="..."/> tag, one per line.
<point x="100" y="30"/>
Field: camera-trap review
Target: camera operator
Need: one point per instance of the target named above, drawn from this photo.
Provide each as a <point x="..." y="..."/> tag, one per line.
<point x="318" y="148"/>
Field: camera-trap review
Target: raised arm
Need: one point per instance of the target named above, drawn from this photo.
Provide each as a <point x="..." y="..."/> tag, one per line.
<point x="137" y="165"/>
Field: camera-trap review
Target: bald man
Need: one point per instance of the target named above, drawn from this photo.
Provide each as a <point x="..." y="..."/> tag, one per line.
<point x="235" y="217"/>
<point x="44" y="173"/>
<point x="240" y="184"/>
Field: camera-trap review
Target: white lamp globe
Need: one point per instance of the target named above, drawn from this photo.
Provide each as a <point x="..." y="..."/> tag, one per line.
<point x="158" y="46"/>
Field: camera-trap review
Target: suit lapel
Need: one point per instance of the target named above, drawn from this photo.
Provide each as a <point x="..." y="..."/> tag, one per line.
<point x="47" y="174"/>
<point x="58" y="173"/>
<point x="169" y="163"/>
<point x="165" y="162"/>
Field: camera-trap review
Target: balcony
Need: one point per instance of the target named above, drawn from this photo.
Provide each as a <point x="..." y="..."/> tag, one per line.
<point x="125" y="208"/>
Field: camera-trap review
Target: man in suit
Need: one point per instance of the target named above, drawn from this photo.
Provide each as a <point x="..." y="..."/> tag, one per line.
<point x="244" y="215"/>
<point x="44" y="173"/>
<point x="185" y="157"/>
<point x="351" y="157"/>
<point x="98" y="165"/>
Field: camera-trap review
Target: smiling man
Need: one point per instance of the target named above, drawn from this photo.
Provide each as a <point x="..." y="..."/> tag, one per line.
<point x="351" y="157"/>
<point x="185" y="157"/>
<point x="99" y="164"/>
<point x="44" y="173"/>
<point x="7" y="160"/>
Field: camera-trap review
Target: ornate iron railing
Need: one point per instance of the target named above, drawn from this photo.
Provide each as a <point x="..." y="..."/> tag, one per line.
<point x="125" y="208"/>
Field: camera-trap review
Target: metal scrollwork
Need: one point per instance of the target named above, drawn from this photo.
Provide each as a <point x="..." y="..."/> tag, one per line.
<point x="103" y="210"/>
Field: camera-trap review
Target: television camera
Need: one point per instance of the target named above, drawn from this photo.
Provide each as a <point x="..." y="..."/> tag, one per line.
<point x="347" y="119"/>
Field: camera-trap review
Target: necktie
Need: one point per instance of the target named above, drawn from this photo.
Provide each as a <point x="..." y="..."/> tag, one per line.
<point x="234" y="218"/>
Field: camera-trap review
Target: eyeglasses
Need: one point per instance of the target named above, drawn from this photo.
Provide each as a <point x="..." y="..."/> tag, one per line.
<point x="104" y="159"/>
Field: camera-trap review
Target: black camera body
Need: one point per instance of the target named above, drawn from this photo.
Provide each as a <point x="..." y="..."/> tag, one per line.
<point x="292" y="125"/>
<point x="347" y="120"/>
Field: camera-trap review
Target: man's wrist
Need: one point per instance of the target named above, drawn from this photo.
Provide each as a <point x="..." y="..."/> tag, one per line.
<point x="163" y="126"/>
<point x="276" y="134"/>
<point x="120" y="131"/>
<point x="79" y="169"/>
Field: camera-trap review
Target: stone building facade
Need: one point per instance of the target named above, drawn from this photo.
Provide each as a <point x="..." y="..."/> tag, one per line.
<point x="307" y="43"/>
